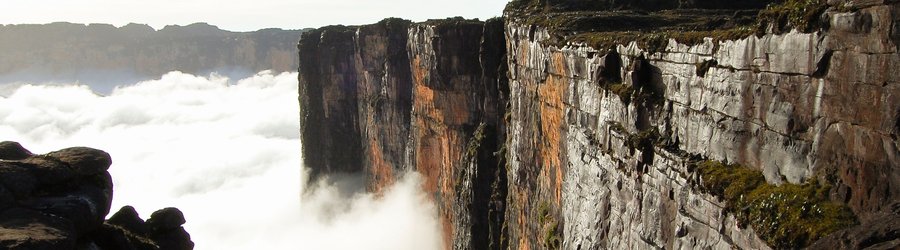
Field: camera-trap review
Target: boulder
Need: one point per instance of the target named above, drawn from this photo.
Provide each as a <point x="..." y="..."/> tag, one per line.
<point x="59" y="201"/>
<point x="13" y="151"/>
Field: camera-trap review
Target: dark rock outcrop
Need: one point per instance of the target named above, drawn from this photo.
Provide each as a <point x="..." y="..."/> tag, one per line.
<point x="13" y="151"/>
<point x="166" y="231"/>
<point x="59" y="201"/>
<point x="881" y="231"/>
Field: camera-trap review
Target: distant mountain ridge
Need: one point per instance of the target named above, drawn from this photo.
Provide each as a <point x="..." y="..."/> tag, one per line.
<point x="102" y="52"/>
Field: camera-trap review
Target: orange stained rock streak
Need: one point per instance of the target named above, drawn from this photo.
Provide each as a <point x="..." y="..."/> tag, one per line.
<point x="522" y="222"/>
<point x="550" y="94"/>
<point x="382" y="173"/>
<point x="439" y="144"/>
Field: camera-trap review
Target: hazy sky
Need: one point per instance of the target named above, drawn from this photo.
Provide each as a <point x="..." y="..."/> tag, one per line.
<point x="242" y="15"/>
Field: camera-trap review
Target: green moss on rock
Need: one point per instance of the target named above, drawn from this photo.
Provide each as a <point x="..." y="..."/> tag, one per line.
<point x="475" y="142"/>
<point x="656" y="41"/>
<point x="623" y="90"/>
<point x="803" y="15"/>
<point x="612" y="23"/>
<point x="550" y="238"/>
<point x="786" y="216"/>
<point x="644" y="140"/>
<point x="559" y="5"/>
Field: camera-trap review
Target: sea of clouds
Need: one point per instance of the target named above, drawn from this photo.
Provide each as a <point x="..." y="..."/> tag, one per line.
<point x="227" y="153"/>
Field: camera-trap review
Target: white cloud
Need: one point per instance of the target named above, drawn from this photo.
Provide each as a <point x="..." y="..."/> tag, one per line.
<point x="227" y="154"/>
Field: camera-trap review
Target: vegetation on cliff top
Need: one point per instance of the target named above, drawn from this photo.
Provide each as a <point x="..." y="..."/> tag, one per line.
<point x="452" y="20"/>
<point x="803" y="15"/>
<point x="785" y="216"/>
<point x="650" y="5"/>
<point x="621" y="23"/>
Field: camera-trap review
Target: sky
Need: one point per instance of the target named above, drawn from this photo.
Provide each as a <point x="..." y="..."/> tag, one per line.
<point x="242" y="15"/>
<point x="227" y="153"/>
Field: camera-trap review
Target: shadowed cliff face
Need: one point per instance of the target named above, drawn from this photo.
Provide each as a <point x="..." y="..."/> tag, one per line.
<point x="329" y="105"/>
<point x="386" y="91"/>
<point x="395" y="97"/>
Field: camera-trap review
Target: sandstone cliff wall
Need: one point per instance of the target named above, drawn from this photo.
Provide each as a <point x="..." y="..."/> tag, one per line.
<point x="595" y="139"/>
<point x="394" y="96"/>
<point x="796" y="106"/>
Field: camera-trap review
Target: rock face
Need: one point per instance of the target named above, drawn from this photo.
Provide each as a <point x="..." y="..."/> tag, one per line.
<point x="591" y="138"/>
<point x="97" y="52"/>
<point x="59" y="201"/>
<point x="394" y="96"/>
<point x="880" y="231"/>
<point x="796" y="106"/>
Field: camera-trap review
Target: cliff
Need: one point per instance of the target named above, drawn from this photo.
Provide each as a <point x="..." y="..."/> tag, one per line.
<point x="394" y="96"/>
<point x="59" y="200"/>
<point x="95" y="52"/>
<point x="634" y="124"/>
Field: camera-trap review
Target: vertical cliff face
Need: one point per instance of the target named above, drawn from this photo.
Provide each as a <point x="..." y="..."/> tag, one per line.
<point x="575" y="180"/>
<point x="456" y="123"/>
<point x="329" y="105"/>
<point x="356" y="91"/>
<point x="386" y="94"/>
<point x="391" y="97"/>
<point x="797" y="106"/>
<point x="681" y="124"/>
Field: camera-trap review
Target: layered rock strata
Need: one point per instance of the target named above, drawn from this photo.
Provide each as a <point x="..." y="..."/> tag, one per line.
<point x="797" y="106"/>
<point x="594" y="140"/>
<point x="59" y="200"/>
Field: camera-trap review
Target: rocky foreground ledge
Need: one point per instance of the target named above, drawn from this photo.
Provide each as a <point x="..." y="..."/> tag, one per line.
<point x="59" y="200"/>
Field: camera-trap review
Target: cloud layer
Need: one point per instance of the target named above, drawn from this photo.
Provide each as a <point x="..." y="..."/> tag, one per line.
<point x="227" y="153"/>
